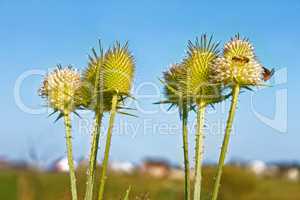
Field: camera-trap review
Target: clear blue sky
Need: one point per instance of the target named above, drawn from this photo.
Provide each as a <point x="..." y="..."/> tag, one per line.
<point x="41" y="34"/>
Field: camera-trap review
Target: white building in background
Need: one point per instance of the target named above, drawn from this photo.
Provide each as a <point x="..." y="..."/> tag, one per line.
<point x="122" y="167"/>
<point x="61" y="165"/>
<point x="258" y="167"/>
<point x="292" y="174"/>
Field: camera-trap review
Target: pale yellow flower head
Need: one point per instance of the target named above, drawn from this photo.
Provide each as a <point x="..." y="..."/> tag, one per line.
<point x="61" y="88"/>
<point x="238" y="64"/>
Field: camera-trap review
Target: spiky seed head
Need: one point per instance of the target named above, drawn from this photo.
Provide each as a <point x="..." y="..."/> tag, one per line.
<point x="92" y="84"/>
<point x="118" y="69"/>
<point x="197" y="66"/>
<point x="61" y="88"/>
<point x="228" y="72"/>
<point x="175" y="89"/>
<point x="94" y="66"/>
<point x="238" y="48"/>
<point x="238" y="64"/>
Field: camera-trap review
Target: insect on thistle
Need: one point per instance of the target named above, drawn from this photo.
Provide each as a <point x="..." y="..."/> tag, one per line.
<point x="267" y="74"/>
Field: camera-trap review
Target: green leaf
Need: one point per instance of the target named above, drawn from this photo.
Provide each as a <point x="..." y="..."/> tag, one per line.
<point x="127" y="193"/>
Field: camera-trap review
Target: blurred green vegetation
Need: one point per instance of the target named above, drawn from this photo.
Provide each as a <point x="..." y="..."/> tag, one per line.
<point x="237" y="184"/>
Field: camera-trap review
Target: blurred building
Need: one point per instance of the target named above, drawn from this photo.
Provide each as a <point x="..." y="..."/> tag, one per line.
<point x="122" y="167"/>
<point x="61" y="165"/>
<point x="292" y="174"/>
<point x="158" y="168"/>
<point x="4" y="164"/>
<point x="258" y="167"/>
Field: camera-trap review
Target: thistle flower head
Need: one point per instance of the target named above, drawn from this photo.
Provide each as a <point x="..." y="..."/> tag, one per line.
<point x="239" y="48"/>
<point x="92" y="84"/>
<point x="175" y="89"/>
<point x="106" y="74"/>
<point x="197" y="67"/>
<point x="238" y="64"/>
<point x="61" y="88"/>
<point x="118" y="69"/>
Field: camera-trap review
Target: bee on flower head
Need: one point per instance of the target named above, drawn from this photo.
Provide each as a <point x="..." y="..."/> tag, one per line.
<point x="239" y="65"/>
<point x="241" y="59"/>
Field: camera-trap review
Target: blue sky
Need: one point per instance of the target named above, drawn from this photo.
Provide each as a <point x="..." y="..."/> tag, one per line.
<point x="40" y="34"/>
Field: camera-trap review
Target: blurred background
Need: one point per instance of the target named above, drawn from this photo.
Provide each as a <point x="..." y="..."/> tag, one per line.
<point x="37" y="35"/>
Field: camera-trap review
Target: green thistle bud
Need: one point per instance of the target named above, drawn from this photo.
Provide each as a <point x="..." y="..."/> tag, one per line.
<point x="106" y="74"/>
<point x="197" y="65"/>
<point x="93" y="87"/>
<point x="118" y="69"/>
<point x="238" y="64"/>
<point x="175" y="89"/>
<point x="61" y="88"/>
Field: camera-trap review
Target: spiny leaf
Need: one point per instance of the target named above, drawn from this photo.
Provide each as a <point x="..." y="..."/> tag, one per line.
<point x="128" y="114"/>
<point x="126" y="108"/>
<point x="55" y="111"/>
<point x="59" y="116"/>
<point x="127" y="193"/>
<point x="163" y="102"/>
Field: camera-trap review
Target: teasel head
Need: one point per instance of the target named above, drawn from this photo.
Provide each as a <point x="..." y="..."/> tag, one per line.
<point x="92" y="83"/>
<point x="118" y="70"/>
<point x="174" y="87"/>
<point x="61" y="89"/>
<point x="197" y="67"/>
<point x="238" y="65"/>
<point x="108" y="73"/>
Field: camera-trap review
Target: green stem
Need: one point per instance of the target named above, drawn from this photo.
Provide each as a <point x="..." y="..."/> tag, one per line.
<point x="235" y="95"/>
<point x="93" y="157"/>
<point x="199" y="150"/>
<point x="107" y="146"/>
<point x="68" y="128"/>
<point x="96" y="134"/>
<point x="185" y="153"/>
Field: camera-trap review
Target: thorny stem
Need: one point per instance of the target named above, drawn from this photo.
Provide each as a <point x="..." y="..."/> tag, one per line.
<point x="185" y="153"/>
<point x="68" y="127"/>
<point x="199" y="150"/>
<point x="235" y="95"/>
<point x="107" y="146"/>
<point x="93" y="157"/>
<point x="95" y="136"/>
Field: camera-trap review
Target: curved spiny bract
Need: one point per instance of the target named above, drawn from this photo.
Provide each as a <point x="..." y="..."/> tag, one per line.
<point x="118" y="70"/>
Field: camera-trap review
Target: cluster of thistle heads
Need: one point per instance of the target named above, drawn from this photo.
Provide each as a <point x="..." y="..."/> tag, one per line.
<point x="108" y="73"/>
<point x="205" y="74"/>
